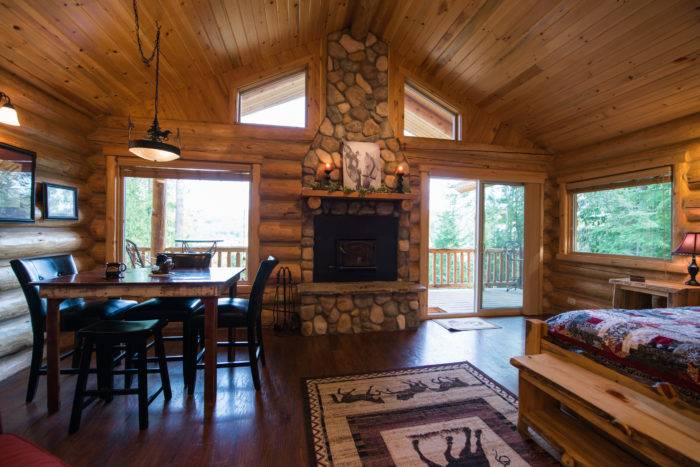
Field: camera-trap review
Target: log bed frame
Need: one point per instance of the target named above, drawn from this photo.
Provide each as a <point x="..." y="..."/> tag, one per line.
<point x="593" y="415"/>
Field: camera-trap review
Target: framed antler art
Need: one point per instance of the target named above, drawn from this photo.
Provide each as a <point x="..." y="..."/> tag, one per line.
<point x="362" y="165"/>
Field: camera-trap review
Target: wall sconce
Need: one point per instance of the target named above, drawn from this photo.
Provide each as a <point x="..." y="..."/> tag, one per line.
<point x="8" y="114"/>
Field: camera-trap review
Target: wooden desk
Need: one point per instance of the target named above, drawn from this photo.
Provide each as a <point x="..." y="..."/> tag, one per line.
<point x="208" y="284"/>
<point x="653" y="294"/>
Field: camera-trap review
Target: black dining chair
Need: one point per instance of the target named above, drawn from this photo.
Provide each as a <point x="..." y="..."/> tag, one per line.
<point x="234" y="313"/>
<point x="175" y="309"/>
<point x="75" y="313"/>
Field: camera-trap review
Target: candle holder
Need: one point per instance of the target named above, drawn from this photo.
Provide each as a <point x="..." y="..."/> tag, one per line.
<point x="399" y="180"/>
<point x="328" y="171"/>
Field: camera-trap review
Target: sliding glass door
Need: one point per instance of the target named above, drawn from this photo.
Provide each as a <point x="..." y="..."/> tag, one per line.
<point x="476" y="246"/>
<point x="502" y="235"/>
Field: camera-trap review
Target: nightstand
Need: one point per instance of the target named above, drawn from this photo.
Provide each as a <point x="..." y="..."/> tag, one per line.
<point x="653" y="294"/>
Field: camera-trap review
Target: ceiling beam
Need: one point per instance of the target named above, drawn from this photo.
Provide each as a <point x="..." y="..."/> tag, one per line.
<point x="362" y="17"/>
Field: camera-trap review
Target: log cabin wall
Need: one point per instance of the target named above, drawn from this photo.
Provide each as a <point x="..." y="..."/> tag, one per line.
<point x="56" y="133"/>
<point x="209" y="135"/>
<point x="572" y="282"/>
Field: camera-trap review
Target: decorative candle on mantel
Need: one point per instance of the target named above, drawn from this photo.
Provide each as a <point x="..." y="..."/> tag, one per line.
<point x="328" y="172"/>
<point x="399" y="179"/>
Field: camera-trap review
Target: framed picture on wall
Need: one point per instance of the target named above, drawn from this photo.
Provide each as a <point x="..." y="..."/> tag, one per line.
<point x="60" y="202"/>
<point x="362" y="165"/>
<point x="17" y="172"/>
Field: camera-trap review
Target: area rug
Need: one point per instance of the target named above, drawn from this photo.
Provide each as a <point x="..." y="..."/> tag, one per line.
<point x="437" y="415"/>
<point x="465" y="324"/>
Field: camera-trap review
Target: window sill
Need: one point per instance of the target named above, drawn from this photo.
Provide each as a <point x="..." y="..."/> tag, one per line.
<point x="650" y="264"/>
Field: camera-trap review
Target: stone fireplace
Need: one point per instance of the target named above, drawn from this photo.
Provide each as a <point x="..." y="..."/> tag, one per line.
<point x="360" y="252"/>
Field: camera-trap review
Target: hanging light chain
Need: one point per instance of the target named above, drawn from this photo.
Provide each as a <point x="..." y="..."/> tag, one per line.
<point x="146" y="60"/>
<point x="154" y="131"/>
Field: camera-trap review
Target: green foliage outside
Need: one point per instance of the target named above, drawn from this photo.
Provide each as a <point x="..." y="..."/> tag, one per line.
<point x="632" y="221"/>
<point x="138" y="193"/>
<point x="453" y="221"/>
<point x="504" y="216"/>
<point x="195" y="209"/>
<point x="445" y="230"/>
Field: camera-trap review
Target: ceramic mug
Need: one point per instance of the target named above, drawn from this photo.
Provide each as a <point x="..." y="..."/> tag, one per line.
<point x="114" y="270"/>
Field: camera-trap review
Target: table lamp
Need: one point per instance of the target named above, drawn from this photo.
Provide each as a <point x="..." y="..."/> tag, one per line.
<point x="690" y="246"/>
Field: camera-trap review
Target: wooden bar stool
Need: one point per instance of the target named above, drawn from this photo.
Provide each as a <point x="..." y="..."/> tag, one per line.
<point x="105" y="336"/>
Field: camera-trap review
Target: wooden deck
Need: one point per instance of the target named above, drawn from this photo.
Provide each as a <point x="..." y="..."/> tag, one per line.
<point x="462" y="300"/>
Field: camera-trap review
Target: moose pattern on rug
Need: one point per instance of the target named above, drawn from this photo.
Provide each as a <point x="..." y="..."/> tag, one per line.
<point x="442" y="384"/>
<point x="440" y="415"/>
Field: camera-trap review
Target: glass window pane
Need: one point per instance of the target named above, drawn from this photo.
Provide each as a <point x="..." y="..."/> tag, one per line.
<point x="138" y="206"/>
<point x="281" y="102"/>
<point x="631" y="221"/>
<point x="503" y="241"/>
<point x="451" y="255"/>
<point x="196" y="211"/>
<point x="425" y="117"/>
<point x="207" y="210"/>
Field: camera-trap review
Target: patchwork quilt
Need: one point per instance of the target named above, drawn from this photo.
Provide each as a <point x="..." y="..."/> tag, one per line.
<point x="661" y="343"/>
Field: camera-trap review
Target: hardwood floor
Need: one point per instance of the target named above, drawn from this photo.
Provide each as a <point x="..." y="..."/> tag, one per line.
<point x="268" y="428"/>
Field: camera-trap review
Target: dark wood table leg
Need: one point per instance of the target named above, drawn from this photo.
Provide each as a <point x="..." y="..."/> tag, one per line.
<point x="53" y="389"/>
<point x="210" y="339"/>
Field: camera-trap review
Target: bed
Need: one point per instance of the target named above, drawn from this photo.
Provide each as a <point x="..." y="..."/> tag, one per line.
<point x="613" y="385"/>
<point x="652" y="346"/>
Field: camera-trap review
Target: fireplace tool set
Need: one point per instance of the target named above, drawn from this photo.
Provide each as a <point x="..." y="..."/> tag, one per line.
<point x="284" y="311"/>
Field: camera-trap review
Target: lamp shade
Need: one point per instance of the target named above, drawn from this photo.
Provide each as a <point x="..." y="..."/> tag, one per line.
<point x="8" y="115"/>
<point x="690" y="244"/>
<point x="156" y="151"/>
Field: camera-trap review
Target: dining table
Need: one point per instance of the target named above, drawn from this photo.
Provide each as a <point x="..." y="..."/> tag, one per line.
<point x="208" y="284"/>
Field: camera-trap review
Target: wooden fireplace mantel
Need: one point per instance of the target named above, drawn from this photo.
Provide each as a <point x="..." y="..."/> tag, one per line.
<point x="339" y="288"/>
<point x="310" y="192"/>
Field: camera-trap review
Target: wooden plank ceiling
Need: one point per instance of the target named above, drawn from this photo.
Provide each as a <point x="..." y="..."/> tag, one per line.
<point x="569" y="73"/>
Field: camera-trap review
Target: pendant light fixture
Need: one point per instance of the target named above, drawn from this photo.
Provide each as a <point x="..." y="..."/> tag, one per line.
<point x="8" y="114"/>
<point x="155" y="147"/>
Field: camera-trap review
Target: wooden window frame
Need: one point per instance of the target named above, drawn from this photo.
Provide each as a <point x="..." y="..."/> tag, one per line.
<point x="237" y="91"/>
<point x="434" y="98"/>
<point x="114" y="231"/>
<point x="567" y="216"/>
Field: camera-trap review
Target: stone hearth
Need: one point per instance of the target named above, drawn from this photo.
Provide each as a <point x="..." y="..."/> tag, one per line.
<point x="358" y="312"/>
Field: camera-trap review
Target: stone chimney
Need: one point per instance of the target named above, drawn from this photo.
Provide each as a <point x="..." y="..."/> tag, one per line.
<point x="357" y="92"/>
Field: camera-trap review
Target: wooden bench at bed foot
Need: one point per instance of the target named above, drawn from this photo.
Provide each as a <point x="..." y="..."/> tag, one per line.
<point x="592" y="420"/>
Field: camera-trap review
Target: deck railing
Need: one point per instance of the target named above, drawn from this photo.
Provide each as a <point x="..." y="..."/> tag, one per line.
<point x="454" y="267"/>
<point x="225" y="256"/>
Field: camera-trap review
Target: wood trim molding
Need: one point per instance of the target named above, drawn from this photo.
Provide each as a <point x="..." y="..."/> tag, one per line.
<point x="254" y="223"/>
<point x="488" y="175"/>
<point x="533" y="249"/>
<point x="112" y="204"/>
<point x="424" y="239"/>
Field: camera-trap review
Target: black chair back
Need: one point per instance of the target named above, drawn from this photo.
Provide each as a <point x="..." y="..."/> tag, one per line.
<point x="186" y="260"/>
<point x="33" y="269"/>
<point x="258" y="290"/>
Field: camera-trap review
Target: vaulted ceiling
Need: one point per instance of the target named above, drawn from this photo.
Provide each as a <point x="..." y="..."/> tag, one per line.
<point x="567" y="72"/>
